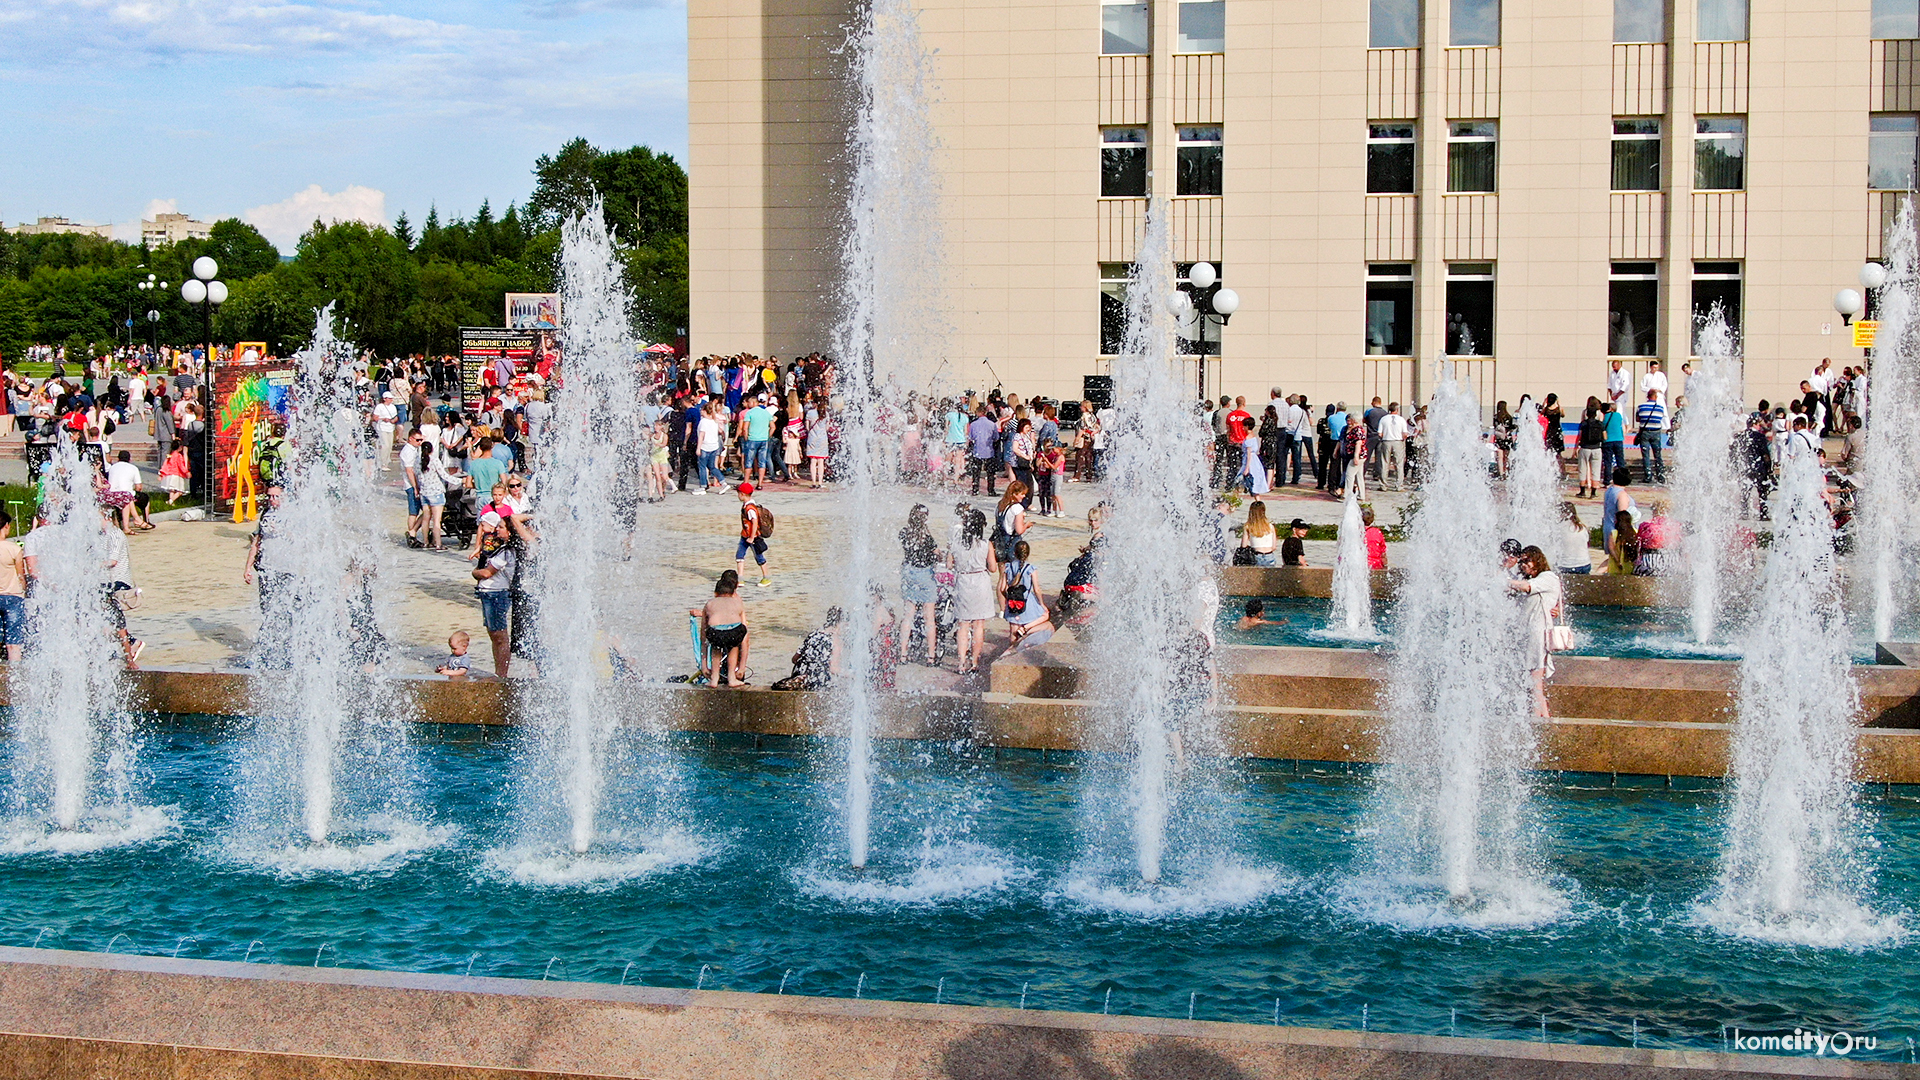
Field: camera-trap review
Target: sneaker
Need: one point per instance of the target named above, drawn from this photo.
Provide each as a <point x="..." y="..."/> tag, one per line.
<point x="699" y="491"/>
<point x="724" y="489"/>
<point x="765" y="581"/>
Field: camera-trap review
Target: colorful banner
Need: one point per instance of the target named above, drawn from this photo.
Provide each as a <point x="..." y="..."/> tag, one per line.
<point x="491" y="357"/>
<point x="533" y="311"/>
<point x="250" y="395"/>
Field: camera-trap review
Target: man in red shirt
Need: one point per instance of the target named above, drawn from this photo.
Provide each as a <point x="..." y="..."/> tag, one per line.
<point x="1237" y="421"/>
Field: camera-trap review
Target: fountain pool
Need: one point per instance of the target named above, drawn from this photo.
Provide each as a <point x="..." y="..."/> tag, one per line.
<point x="982" y="899"/>
<point x="1625" y="632"/>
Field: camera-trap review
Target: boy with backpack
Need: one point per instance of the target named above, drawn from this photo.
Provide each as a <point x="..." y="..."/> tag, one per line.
<point x="756" y="524"/>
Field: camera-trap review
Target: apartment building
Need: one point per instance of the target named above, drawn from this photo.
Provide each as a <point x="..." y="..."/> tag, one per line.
<point x="48" y="226"/>
<point x="1534" y="187"/>
<point x="165" y="229"/>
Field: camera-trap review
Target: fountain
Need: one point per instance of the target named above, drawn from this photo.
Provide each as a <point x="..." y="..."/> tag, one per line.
<point x="74" y="742"/>
<point x="608" y="796"/>
<point x="1707" y="484"/>
<point x="1893" y="392"/>
<point x="1156" y="796"/>
<point x="330" y="754"/>
<point x="1352" y="583"/>
<point x="1533" y="485"/>
<point x="1795" y="866"/>
<point x="892" y="329"/>
<point x="1455" y="805"/>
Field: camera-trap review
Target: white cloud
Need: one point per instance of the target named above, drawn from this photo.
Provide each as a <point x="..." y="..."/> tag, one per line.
<point x="284" y="221"/>
<point x="161" y="206"/>
<point x="177" y="29"/>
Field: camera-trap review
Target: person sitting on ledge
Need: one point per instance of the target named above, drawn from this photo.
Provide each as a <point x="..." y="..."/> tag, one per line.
<point x="817" y="659"/>
<point x="723" y="623"/>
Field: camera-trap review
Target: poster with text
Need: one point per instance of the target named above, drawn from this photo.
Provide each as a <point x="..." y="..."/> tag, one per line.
<point x="492" y="359"/>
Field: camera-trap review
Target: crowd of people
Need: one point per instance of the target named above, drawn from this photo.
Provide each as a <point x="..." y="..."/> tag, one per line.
<point x="739" y="424"/>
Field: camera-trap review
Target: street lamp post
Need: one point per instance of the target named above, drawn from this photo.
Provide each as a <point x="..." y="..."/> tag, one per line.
<point x="204" y="290"/>
<point x="153" y="317"/>
<point x="1204" y="298"/>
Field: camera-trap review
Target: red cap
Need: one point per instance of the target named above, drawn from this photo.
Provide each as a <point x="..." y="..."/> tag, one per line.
<point x="745" y="488"/>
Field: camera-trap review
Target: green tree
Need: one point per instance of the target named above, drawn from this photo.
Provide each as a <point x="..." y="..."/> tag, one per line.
<point x="644" y="194"/>
<point x="241" y="250"/>
<point x="17" y="330"/>
<point x="657" y="274"/>
<point x="563" y="183"/>
<point x="267" y="307"/>
<point x="368" y="275"/>
<point x="403" y="231"/>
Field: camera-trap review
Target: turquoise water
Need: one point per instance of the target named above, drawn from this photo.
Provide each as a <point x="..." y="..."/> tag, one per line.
<point x="974" y="895"/>
<point x="1635" y="632"/>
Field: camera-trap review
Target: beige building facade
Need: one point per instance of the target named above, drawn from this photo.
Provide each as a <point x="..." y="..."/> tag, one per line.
<point x="48" y="226"/>
<point x="165" y="229"/>
<point x="1536" y="187"/>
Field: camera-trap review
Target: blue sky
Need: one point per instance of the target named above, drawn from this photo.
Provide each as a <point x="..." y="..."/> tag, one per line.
<point x="279" y="111"/>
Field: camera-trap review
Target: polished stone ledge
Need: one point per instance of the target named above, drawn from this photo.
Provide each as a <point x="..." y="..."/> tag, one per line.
<point x="1313" y="582"/>
<point x="68" y="1015"/>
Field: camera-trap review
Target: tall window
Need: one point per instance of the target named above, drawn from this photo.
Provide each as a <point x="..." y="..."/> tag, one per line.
<point x="1390" y="159"/>
<point x="1113" y="307"/>
<point x="1721" y="20"/>
<point x="1390" y="309"/>
<point x="1393" y="24"/>
<point x="1472" y="154"/>
<point x="1123" y="162"/>
<point x="1639" y="20"/>
<point x="1209" y="329"/>
<point x="1203" y="26"/>
<point x="1636" y="155"/>
<point x="1891" y="147"/>
<point x="1633" y="309"/>
<point x="1716" y="285"/>
<point x="1469" y="309"/>
<point x="1123" y="28"/>
<point x="1199" y="160"/>
<point x="1896" y="18"/>
<point x="1474" y="22"/>
<point x="1720" y="153"/>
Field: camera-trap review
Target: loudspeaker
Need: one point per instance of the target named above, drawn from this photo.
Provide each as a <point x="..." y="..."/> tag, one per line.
<point x="1097" y="389"/>
<point x="1069" y="412"/>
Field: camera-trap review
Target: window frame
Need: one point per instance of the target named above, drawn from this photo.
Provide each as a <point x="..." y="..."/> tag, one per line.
<point x="1713" y="272"/>
<point x="1146" y="26"/>
<point x="1640" y="38"/>
<point x="1703" y="139"/>
<point x="1180" y="27"/>
<point x="1634" y="273"/>
<point x="1114" y="280"/>
<point x="1141" y="148"/>
<point x="1407" y="34"/>
<point x="1397" y="278"/>
<point x="1700" y="20"/>
<point x="1455" y="24"/>
<point x="1457" y="164"/>
<point x="1884" y="20"/>
<point x="1654" y="137"/>
<point x="1475" y="274"/>
<point x="1184" y="142"/>
<point x="1877" y="137"/>
<point x="1410" y="142"/>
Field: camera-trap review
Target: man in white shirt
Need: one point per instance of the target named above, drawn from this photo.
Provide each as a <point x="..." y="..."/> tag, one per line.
<point x="1299" y="422"/>
<point x="710" y="433"/>
<point x="1618" y="383"/>
<point x="123" y="493"/>
<point x="1801" y="442"/>
<point x="1655" y="380"/>
<point x="410" y="466"/>
<point x="1393" y="446"/>
<point x="385" y="416"/>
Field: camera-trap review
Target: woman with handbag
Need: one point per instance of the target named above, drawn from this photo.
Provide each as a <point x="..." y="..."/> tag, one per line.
<point x="1544" y="610"/>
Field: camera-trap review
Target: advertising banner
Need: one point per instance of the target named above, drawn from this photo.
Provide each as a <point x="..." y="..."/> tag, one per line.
<point x="250" y="394"/>
<point x="533" y="311"/>
<point x="493" y="357"/>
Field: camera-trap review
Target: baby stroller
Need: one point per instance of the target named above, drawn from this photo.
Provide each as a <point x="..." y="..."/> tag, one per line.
<point x="458" y="522"/>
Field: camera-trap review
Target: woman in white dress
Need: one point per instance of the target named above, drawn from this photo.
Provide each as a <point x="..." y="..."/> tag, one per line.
<point x="976" y="588"/>
<point x="1542" y="589"/>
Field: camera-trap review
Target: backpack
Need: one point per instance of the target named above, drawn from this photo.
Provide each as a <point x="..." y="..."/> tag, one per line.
<point x="766" y="520"/>
<point x="1002" y="543"/>
<point x="1017" y="591"/>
